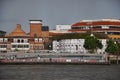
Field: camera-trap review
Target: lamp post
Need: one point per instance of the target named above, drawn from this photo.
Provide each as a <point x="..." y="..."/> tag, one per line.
<point x="117" y="52"/>
<point x="90" y="28"/>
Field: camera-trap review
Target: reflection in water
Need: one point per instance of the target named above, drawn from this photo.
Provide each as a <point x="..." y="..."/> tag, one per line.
<point x="59" y="72"/>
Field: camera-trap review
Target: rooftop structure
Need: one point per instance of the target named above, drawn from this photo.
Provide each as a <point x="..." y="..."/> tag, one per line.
<point x="35" y="28"/>
<point x="17" y="31"/>
<point x="63" y="27"/>
<point x="2" y="33"/>
<point x="60" y="29"/>
<point x="111" y="27"/>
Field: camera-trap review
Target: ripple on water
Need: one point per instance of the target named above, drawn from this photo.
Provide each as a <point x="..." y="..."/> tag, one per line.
<point x="59" y="72"/>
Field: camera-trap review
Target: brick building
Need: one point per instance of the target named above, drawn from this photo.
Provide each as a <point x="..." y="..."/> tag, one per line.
<point x="19" y="40"/>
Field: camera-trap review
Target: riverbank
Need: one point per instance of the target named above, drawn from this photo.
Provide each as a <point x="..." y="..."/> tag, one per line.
<point x="61" y="61"/>
<point x="53" y="58"/>
<point x="53" y="63"/>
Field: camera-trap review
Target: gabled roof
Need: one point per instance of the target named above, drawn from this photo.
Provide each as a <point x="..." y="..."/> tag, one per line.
<point x="17" y="31"/>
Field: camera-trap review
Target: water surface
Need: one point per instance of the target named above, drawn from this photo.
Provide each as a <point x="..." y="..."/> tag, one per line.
<point x="59" y="72"/>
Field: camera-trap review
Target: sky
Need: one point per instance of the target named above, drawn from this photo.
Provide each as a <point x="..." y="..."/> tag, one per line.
<point x="54" y="12"/>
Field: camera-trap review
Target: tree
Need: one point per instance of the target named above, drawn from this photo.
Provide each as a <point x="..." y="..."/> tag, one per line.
<point x="92" y="44"/>
<point x="77" y="36"/>
<point x="112" y="47"/>
<point x="16" y="50"/>
<point x="118" y="52"/>
<point x="99" y="44"/>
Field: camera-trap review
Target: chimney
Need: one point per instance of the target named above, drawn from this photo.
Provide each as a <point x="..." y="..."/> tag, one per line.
<point x="35" y="28"/>
<point x="36" y="21"/>
<point x="18" y="26"/>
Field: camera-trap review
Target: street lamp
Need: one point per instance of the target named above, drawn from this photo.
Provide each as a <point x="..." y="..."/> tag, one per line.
<point x="90" y="27"/>
<point x="117" y="52"/>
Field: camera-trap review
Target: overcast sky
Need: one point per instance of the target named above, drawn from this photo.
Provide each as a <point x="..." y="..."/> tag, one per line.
<point x="54" y="12"/>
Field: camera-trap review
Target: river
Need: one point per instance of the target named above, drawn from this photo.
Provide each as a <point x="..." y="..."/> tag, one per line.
<point x="59" y="72"/>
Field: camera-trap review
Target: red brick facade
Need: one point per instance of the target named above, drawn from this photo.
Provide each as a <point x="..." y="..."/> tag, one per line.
<point x="35" y="29"/>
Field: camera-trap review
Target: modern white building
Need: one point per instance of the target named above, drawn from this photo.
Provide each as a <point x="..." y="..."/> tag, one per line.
<point x="63" y="27"/>
<point x="74" y="46"/>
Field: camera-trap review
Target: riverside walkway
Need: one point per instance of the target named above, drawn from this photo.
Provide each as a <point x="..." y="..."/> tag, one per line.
<point x="35" y="55"/>
<point x="54" y="58"/>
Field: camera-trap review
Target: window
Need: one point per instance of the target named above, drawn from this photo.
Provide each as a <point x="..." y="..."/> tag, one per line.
<point x="18" y="41"/>
<point x="96" y="27"/>
<point x="36" y="39"/>
<point x="26" y="46"/>
<point x="117" y="27"/>
<point x="105" y="27"/>
<point x="35" y="35"/>
<point x="5" y="39"/>
<point x="22" y="41"/>
<point x="14" y="46"/>
<point x="40" y="39"/>
<point x="15" y="40"/>
<point x="25" y="40"/>
<point x="1" y="39"/>
<point x="20" y="46"/>
<point x="3" y="46"/>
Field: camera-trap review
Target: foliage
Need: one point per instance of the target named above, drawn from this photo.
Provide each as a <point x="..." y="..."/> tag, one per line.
<point x="112" y="47"/>
<point x="99" y="44"/>
<point x="101" y="35"/>
<point x="16" y="50"/>
<point x="92" y="43"/>
<point x="78" y="36"/>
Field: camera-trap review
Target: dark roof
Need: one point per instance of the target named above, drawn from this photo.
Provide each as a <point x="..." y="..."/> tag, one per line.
<point x="45" y="28"/>
<point x="2" y="33"/>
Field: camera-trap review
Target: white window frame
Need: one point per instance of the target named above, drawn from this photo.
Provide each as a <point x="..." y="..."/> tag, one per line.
<point x="36" y="39"/>
<point x="40" y="39"/>
<point x="1" y="39"/>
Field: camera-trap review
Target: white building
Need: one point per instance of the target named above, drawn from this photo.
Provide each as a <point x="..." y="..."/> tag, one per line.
<point x="20" y="44"/>
<point x="74" y="46"/>
<point x="63" y="27"/>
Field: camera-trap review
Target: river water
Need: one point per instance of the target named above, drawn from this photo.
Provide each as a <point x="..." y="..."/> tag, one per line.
<point x="59" y="72"/>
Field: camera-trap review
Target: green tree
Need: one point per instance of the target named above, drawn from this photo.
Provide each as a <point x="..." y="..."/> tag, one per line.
<point x="16" y="50"/>
<point x="92" y="44"/>
<point x="118" y="52"/>
<point x="99" y="44"/>
<point x="77" y="36"/>
<point x="112" y="47"/>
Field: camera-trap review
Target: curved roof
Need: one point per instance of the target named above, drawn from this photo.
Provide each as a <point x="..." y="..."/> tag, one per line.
<point x="97" y="22"/>
<point x="17" y="31"/>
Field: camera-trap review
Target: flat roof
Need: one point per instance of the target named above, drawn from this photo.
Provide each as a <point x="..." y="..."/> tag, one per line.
<point x="35" y="20"/>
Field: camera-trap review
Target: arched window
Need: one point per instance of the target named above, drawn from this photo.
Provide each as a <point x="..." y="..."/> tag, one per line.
<point x="35" y="35"/>
<point x="22" y="41"/>
<point x="18" y="41"/>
